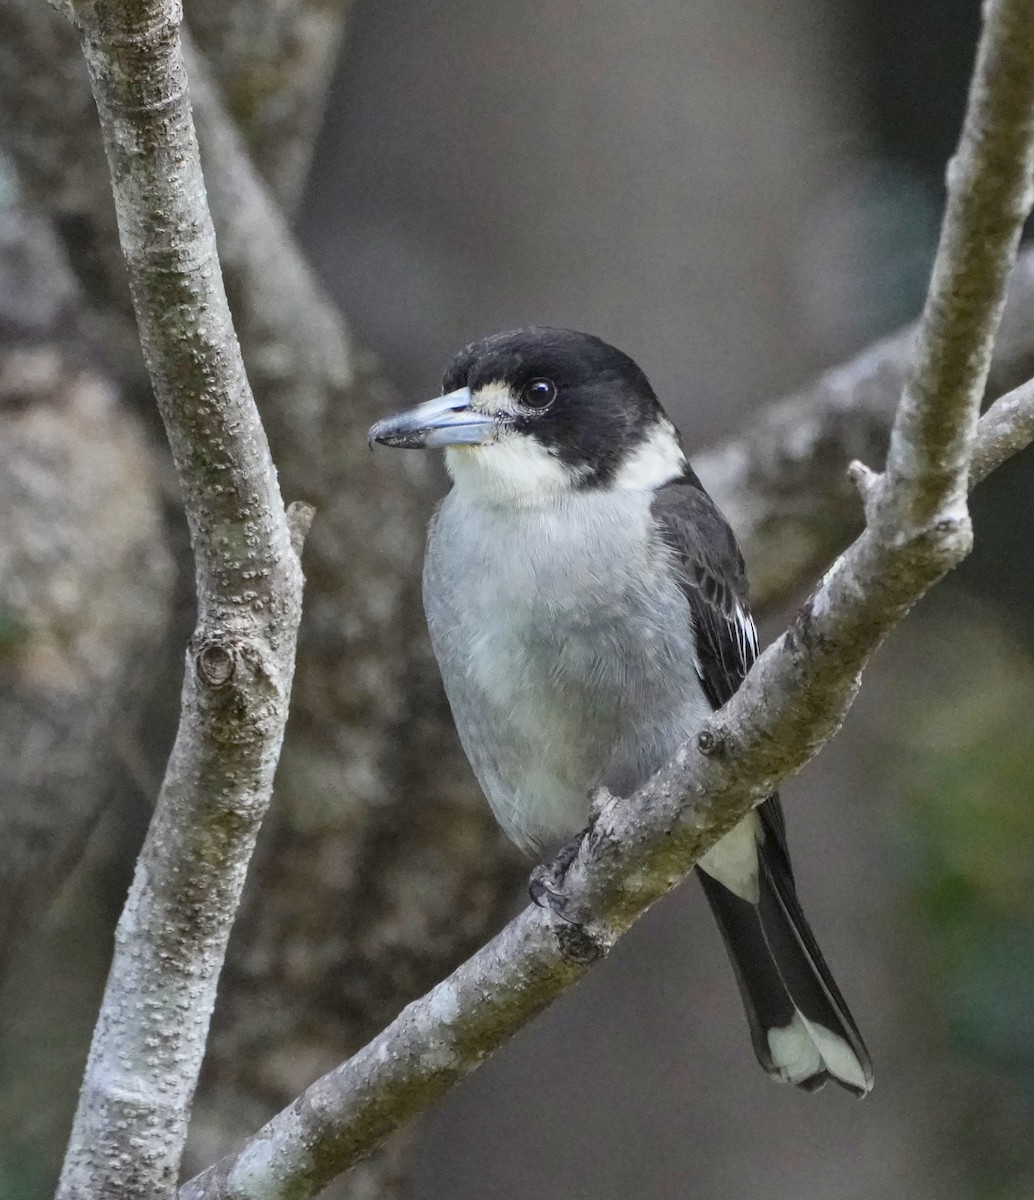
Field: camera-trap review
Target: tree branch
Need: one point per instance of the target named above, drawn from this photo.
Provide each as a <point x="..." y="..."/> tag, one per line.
<point x="790" y="704"/>
<point x="273" y="62"/>
<point x="131" y="1122"/>
<point x="781" y="483"/>
<point x="407" y="833"/>
<point x="989" y="196"/>
<point x="1004" y="430"/>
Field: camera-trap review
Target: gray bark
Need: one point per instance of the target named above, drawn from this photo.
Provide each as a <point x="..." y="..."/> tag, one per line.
<point x="321" y="958"/>
<point x="131" y="1123"/>
<point x="989" y="197"/>
<point x="271" y="62"/>
<point x="399" y="838"/>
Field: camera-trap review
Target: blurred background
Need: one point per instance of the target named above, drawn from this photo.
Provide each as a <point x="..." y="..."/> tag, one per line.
<point x="738" y="194"/>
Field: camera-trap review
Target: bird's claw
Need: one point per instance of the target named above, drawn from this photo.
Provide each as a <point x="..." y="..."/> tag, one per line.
<point x="542" y="886"/>
<point x="546" y="883"/>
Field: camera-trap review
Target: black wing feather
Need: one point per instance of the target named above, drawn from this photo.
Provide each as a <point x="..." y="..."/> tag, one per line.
<point x="713" y="579"/>
<point x="777" y="963"/>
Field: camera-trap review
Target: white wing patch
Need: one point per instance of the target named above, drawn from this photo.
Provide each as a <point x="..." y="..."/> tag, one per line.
<point x="746" y="636"/>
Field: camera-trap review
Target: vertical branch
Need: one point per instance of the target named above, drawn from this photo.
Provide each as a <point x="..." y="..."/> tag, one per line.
<point x="131" y="1123"/>
<point x="989" y="197"/>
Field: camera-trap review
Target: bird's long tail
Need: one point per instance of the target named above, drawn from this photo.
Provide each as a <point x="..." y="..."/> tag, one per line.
<point x="801" y="1028"/>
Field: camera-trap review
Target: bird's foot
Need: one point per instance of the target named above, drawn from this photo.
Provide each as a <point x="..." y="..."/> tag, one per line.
<point x="546" y="884"/>
<point x="577" y="940"/>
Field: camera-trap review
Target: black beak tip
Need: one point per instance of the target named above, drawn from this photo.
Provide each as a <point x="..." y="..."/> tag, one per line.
<point x="380" y="433"/>
<point x="388" y="433"/>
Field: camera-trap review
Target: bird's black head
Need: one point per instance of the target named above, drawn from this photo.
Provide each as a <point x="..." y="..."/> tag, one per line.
<point x="536" y="412"/>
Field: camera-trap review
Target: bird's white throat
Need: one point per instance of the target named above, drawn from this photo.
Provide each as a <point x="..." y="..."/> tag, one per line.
<point x="517" y="470"/>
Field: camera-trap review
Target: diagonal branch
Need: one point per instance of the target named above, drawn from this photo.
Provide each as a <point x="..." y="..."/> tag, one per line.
<point x="1004" y="430"/>
<point x="131" y="1122"/>
<point x="645" y="845"/>
<point x="791" y="703"/>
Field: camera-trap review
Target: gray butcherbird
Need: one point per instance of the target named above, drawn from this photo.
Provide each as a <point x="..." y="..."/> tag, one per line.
<point x="588" y="609"/>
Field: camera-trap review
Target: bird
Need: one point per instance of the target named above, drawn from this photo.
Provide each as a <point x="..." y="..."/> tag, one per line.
<point x="588" y="608"/>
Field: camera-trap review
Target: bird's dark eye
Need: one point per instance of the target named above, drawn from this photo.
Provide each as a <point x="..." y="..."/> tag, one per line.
<point x="539" y="393"/>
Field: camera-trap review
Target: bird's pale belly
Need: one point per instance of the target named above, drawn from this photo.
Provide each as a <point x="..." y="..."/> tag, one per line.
<point x="569" y="713"/>
<point x="566" y="669"/>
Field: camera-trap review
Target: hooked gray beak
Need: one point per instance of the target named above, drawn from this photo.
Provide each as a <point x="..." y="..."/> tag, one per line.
<point x="446" y="421"/>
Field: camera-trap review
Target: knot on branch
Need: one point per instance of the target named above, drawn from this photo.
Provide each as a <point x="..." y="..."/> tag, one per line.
<point x="711" y="743"/>
<point x="237" y="680"/>
<point x="216" y="662"/>
<point x="577" y="944"/>
<point x="954" y="536"/>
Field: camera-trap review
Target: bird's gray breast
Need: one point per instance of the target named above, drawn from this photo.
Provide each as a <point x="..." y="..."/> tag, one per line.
<point x="566" y="650"/>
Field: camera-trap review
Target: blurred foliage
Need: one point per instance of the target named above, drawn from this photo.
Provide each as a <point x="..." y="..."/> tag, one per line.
<point x="962" y="716"/>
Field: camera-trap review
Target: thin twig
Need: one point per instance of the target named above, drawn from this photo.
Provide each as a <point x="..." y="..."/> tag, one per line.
<point x="791" y="703"/>
<point x="131" y="1123"/>
<point x="1005" y="429"/>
